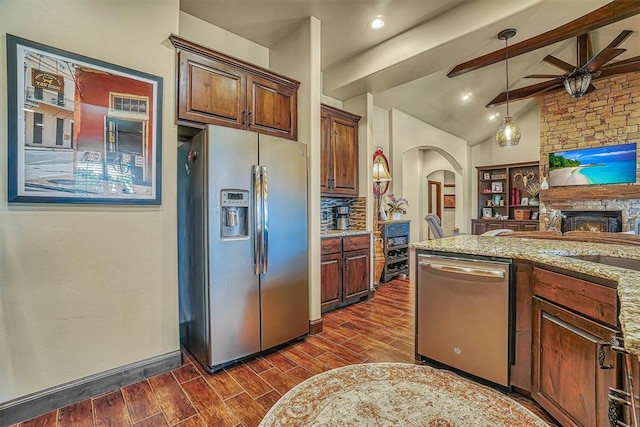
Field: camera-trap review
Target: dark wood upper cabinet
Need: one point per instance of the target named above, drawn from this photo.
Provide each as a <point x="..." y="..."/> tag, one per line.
<point x="339" y="153"/>
<point x="217" y="89"/>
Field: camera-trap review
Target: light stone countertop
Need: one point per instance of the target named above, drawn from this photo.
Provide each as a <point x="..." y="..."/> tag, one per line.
<point x="550" y="252"/>
<point x="342" y="233"/>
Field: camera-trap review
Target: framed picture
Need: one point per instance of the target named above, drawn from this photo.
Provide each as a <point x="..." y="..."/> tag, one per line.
<point x="81" y="130"/>
<point x="496" y="187"/>
<point x="534" y="215"/>
<point x="450" y="201"/>
<point x="486" y="175"/>
<point x="524" y="201"/>
<point x="487" y="213"/>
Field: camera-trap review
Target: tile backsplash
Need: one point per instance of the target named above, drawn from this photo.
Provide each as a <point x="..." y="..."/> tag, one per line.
<point x="358" y="212"/>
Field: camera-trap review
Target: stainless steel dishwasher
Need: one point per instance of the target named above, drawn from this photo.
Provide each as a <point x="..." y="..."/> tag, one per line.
<point x="463" y="314"/>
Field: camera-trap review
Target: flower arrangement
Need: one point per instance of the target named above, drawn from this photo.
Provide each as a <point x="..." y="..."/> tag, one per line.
<point x="397" y="204"/>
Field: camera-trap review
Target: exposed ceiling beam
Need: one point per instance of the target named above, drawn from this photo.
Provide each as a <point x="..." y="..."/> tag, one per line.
<point x="615" y="11"/>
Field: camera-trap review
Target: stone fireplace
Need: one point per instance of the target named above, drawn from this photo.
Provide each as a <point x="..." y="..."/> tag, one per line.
<point x="610" y="115"/>
<point x="604" y="221"/>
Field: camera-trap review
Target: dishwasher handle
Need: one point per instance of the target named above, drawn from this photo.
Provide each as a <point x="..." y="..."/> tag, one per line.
<point x="469" y="271"/>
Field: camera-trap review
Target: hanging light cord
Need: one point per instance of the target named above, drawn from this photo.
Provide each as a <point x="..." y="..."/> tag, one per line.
<point x="506" y="43"/>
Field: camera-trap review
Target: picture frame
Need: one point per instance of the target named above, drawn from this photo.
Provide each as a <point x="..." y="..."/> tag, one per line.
<point x="81" y="130"/>
<point x="486" y="175"/>
<point x="496" y="187"/>
<point x="487" y="213"/>
<point x="449" y="201"/>
<point x="534" y="215"/>
<point x="524" y="201"/>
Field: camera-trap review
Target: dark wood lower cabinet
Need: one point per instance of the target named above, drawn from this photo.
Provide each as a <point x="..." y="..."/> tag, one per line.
<point x="479" y="226"/>
<point x="356" y="274"/>
<point x="569" y="379"/>
<point x="344" y="271"/>
<point x="330" y="280"/>
<point x="521" y="366"/>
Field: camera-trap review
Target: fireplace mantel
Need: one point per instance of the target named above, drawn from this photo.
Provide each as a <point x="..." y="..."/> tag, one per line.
<point x="591" y="192"/>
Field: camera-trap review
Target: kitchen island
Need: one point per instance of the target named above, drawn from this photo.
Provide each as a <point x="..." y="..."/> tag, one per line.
<point x="556" y="253"/>
<point x="568" y="313"/>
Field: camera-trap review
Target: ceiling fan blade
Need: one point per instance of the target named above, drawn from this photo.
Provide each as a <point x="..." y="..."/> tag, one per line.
<point x="608" y="14"/>
<point x="621" y="67"/>
<point x="604" y="56"/>
<point x="621" y="37"/>
<point x="525" y="92"/>
<point x="559" y="63"/>
<point x="543" y="76"/>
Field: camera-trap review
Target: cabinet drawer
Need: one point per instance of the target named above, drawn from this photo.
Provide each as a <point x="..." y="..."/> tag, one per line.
<point x="331" y="246"/>
<point x="399" y="229"/>
<point x="355" y="243"/>
<point x="591" y="299"/>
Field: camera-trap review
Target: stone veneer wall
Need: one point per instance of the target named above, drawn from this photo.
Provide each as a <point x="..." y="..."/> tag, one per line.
<point x="608" y="116"/>
<point x="358" y="212"/>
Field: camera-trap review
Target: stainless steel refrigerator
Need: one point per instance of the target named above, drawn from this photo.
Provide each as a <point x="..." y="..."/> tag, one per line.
<point x="242" y="233"/>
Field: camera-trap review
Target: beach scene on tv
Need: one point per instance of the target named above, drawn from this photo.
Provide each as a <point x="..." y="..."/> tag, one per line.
<point x="614" y="164"/>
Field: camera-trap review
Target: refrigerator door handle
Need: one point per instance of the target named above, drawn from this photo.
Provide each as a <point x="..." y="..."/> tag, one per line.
<point x="257" y="220"/>
<point x="265" y="219"/>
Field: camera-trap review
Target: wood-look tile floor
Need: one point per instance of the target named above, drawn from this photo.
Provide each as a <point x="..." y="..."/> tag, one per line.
<point x="378" y="330"/>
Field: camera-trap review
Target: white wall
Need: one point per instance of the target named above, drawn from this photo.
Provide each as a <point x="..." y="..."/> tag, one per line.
<point x="435" y="167"/>
<point x="448" y="214"/>
<point x="205" y="34"/>
<point x="84" y="289"/>
<point x="408" y="133"/>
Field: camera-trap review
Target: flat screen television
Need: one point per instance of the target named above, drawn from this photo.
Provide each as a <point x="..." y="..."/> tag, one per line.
<point x="613" y="164"/>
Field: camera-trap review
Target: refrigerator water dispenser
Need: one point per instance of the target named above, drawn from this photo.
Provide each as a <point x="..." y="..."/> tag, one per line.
<point x="235" y="210"/>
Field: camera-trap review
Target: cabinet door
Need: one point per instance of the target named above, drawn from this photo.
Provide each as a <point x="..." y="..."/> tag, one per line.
<point x="478" y="226"/>
<point x="210" y="91"/>
<point x="529" y="226"/>
<point x="326" y="165"/>
<point x="495" y="225"/>
<point x="330" y="281"/>
<point x="272" y="107"/>
<point x="344" y="156"/>
<point x="568" y="379"/>
<point x="355" y="277"/>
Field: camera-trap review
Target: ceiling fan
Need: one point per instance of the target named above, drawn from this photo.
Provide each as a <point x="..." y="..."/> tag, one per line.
<point x="577" y="79"/>
<point x="588" y="67"/>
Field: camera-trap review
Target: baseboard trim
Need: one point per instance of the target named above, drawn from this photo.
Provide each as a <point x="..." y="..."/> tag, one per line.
<point x="315" y="326"/>
<point x="41" y="402"/>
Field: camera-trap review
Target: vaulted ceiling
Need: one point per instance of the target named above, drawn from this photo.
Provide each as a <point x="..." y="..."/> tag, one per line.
<point x="405" y="65"/>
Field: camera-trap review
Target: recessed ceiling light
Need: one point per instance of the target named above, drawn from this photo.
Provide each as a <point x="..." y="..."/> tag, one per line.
<point x="377" y="23"/>
<point x="466" y="96"/>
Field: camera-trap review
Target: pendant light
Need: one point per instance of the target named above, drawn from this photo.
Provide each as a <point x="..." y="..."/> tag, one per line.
<point x="508" y="134"/>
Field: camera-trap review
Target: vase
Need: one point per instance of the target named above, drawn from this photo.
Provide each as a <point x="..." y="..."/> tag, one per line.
<point x="534" y="202"/>
<point x="544" y="185"/>
<point x="396" y="215"/>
